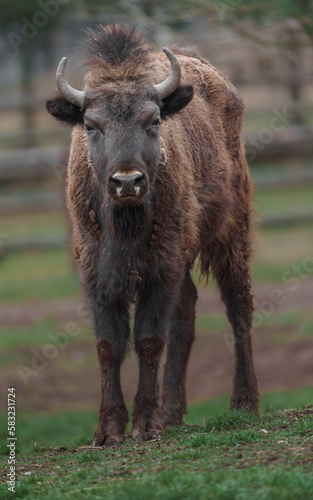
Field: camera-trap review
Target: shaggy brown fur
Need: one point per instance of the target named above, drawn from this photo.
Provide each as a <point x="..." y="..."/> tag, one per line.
<point x="197" y="204"/>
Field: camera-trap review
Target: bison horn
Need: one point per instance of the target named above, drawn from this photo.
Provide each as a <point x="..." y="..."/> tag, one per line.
<point x="72" y="95"/>
<point x="169" y="85"/>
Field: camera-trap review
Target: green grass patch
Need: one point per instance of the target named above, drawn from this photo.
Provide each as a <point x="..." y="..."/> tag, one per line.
<point x="41" y="333"/>
<point x="58" y="287"/>
<point x="52" y="429"/>
<point x="291" y="325"/>
<point x="232" y="455"/>
<point x="286" y="319"/>
<point x="35" y="264"/>
<point x="289" y="200"/>
<point x="212" y="321"/>
<point x="38" y="275"/>
<point x="308" y="328"/>
<point x="282" y="254"/>
<point x="267" y="271"/>
<point x="25" y="226"/>
<point x="75" y="428"/>
<point x="279" y="170"/>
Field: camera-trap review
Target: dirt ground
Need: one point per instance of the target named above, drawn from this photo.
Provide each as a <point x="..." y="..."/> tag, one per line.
<point x="72" y="381"/>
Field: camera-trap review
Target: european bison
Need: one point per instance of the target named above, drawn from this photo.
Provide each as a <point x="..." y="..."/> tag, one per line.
<point x="157" y="177"/>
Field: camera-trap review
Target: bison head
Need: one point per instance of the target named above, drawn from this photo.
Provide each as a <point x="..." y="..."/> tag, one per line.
<point x="122" y="122"/>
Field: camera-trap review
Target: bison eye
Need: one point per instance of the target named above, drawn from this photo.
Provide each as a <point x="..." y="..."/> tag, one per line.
<point x="156" y="122"/>
<point x="88" y="128"/>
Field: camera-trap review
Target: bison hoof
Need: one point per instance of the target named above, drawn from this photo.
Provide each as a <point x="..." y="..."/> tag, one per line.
<point x="244" y="403"/>
<point x="100" y="440"/>
<point x="173" y="410"/>
<point x="171" y="420"/>
<point x="147" y="429"/>
<point x="111" y="429"/>
<point x="141" y="436"/>
<point x="108" y="440"/>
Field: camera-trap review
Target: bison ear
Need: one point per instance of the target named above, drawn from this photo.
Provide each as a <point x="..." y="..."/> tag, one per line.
<point x="64" y="111"/>
<point x="176" y="101"/>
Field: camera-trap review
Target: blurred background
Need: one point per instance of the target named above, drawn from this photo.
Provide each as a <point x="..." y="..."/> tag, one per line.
<point x="46" y="339"/>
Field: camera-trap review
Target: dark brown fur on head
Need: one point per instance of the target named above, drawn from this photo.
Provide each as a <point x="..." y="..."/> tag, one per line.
<point x="117" y="53"/>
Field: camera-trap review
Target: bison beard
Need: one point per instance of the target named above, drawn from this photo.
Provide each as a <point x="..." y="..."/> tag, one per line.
<point x="139" y="247"/>
<point x="117" y="268"/>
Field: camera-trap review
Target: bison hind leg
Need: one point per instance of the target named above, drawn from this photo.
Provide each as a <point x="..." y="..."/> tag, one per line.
<point x="230" y="266"/>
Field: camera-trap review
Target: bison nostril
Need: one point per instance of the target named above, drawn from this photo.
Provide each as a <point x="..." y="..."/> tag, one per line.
<point x="138" y="184"/>
<point x="127" y="184"/>
<point x="118" y="185"/>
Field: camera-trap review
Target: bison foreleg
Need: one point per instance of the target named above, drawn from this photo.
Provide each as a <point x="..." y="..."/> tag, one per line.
<point x="111" y="325"/>
<point x="151" y="322"/>
<point x="181" y="337"/>
<point x="147" y="423"/>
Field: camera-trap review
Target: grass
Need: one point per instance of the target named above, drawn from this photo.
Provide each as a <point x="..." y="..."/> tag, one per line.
<point x="38" y="275"/>
<point x="231" y="455"/>
<point x="285" y="326"/>
<point x="212" y="322"/>
<point x="280" y="169"/>
<point x="279" y="250"/>
<point x="286" y="200"/>
<point x="20" y="226"/>
<point x="39" y="333"/>
<point x="56" y="288"/>
<point x="63" y="428"/>
<point x="254" y="121"/>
